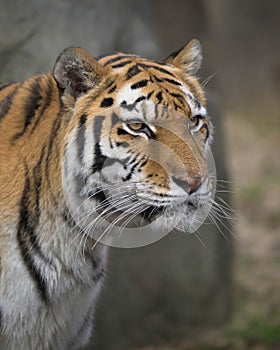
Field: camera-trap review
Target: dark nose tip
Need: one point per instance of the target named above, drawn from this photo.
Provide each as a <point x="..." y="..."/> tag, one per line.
<point x="188" y="184"/>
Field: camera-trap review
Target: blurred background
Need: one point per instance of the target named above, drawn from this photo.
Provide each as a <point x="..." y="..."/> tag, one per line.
<point x="218" y="289"/>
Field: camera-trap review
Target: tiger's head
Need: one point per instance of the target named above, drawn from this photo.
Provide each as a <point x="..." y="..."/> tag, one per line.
<point x="138" y="140"/>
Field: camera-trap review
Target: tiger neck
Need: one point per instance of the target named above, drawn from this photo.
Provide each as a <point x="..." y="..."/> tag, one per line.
<point x="33" y="130"/>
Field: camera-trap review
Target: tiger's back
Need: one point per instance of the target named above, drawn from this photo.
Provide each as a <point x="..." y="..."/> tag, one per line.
<point x="64" y="137"/>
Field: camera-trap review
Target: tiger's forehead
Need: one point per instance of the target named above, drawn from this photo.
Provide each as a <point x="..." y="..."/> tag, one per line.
<point x="139" y="86"/>
<point x="136" y="103"/>
<point x="149" y="112"/>
<point x="139" y="79"/>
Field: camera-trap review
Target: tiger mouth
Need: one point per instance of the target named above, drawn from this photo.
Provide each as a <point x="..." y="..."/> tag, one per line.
<point x="152" y="212"/>
<point x="149" y="214"/>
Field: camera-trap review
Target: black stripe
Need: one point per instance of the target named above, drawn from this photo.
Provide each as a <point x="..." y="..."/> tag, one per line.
<point x="99" y="93"/>
<point x="122" y="64"/>
<point x="113" y="89"/>
<point x="32" y="104"/>
<point x="139" y="84"/>
<point x="27" y="225"/>
<point x="6" y="104"/>
<point x="172" y="81"/>
<point x="181" y="98"/>
<point x="156" y="111"/>
<point x="109" y="83"/>
<point x="67" y="217"/>
<point x="60" y="117"/>
<point x="99" y="158"/>
<point x="196" y="103"/>
<point x="133" y="159"/>
<point x="47" y="101"/>
<point x="150" y="95"/>
<point x="54" y="132"/>
<point x="155" y="78"/>
<point x="37" y="181"/>
<point x="107" y="55"/>
<point x="139" y="99"/>
<point x="36" y="187"/>
<point x="158" y="68"/>
<point x="129" y="175"/>
<point x="144" y="163"/>
<point x="164" y="112"/>
<point x="107" y="102"/>
<point x="117" y="59"/>
<point x="159" y="97"/>
<point x="80" y="139"/>
<point x="132" y="71"/>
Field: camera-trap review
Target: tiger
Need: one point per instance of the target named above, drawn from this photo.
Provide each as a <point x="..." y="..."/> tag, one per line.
<point x="75" y="147"/>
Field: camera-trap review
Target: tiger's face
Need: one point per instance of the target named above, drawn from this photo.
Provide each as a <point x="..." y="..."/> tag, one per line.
<point x="139" y="138"/>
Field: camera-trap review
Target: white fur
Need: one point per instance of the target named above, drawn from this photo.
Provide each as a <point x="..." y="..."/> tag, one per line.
<point x="71" y="296"/>
<point x="190" y="99"/>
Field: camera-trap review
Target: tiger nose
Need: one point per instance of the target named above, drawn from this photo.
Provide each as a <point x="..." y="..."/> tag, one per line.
<point x="188" y="184"/>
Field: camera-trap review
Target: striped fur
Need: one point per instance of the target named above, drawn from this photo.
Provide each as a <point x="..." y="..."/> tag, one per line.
<point x="73" y="143"/>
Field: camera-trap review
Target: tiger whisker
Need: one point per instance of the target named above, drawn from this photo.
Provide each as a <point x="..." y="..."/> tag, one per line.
<point x="123" y="215"/>
<point x="208" y="79"/>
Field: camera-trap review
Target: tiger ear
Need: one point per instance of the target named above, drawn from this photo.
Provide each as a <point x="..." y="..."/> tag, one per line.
<point x="188" y="59"/>
<point x="76" y="71"/>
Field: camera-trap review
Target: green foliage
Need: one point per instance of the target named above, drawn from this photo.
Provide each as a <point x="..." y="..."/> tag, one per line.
<point x="256" y="331"/>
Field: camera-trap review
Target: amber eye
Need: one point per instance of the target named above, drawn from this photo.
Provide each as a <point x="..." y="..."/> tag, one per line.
<point x="137" y="126"/>
<point x="194" y="120"/>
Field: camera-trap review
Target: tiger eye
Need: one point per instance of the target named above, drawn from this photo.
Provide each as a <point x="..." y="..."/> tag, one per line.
<point x="194" y="120"/>
<point x="136" y="126"/>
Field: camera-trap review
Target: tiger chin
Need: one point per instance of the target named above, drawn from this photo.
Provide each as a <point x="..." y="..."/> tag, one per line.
<point x="96" y="144"/>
